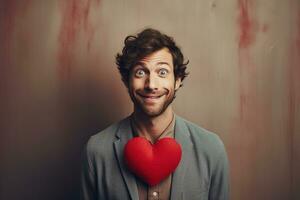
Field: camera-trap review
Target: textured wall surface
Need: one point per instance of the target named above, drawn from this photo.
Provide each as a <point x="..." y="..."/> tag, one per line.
<point x="59" y="85"/>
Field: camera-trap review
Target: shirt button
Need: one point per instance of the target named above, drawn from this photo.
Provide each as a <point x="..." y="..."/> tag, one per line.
<point x="155" y="194"/>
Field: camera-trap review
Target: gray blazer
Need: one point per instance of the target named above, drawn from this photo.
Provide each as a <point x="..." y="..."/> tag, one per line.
<point x="202" y="173"/>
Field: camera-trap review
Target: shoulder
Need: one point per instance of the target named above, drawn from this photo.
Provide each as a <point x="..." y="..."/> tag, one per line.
<point x="103" y="140"/>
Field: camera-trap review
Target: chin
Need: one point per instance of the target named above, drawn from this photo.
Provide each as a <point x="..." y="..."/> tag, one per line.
<point x="152" y="113"/>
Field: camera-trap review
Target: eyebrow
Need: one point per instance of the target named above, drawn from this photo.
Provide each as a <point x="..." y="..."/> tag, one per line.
<point x="159" y="63"/>
<point x="140" y="65"/>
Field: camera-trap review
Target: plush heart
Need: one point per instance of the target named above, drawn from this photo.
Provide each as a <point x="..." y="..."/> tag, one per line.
<point x="152" y="162"/>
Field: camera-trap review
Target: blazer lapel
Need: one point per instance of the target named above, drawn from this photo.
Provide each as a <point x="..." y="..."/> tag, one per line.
<point x="182" y="136"/>
<point x="123" y="134"/>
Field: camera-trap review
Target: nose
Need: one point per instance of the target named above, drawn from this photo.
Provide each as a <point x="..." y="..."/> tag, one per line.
<point x="151" y="83"/>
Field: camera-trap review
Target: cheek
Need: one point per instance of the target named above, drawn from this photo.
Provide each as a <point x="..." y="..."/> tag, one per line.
<point x="168" y="84"/>
<point x="136" y="84"/>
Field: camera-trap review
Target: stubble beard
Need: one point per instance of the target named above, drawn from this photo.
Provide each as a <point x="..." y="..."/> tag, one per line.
<point x="138" y="105"/>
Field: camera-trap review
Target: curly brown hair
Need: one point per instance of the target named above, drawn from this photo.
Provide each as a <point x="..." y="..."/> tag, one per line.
<point x="143" y="44"/>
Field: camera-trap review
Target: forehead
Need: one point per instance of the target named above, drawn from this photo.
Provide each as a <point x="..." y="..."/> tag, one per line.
<point x="162" y="56"/>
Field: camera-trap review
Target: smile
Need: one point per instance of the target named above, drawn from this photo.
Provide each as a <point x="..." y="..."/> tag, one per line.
<point x="150" y="98"/>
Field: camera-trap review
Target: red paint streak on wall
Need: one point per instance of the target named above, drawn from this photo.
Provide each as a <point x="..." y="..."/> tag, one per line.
<point x="246" y="24"/>
<point x="253" y="109"/>
<point x="75" y="22"/>
<point x="247" y="69"/>
<point x="254" y="118"/>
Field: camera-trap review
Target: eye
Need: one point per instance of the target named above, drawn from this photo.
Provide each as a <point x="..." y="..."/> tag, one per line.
<point x="163" y="72"/>
<point x="139" y="73"/>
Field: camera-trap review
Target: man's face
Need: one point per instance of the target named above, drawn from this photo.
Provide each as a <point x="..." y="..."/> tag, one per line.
<point x="152" y="83"/>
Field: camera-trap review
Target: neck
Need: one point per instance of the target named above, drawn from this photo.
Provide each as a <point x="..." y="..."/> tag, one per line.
<point x="152" y="127"/>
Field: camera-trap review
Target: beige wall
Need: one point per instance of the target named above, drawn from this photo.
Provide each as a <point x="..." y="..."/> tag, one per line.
<point x="59" y="85"/>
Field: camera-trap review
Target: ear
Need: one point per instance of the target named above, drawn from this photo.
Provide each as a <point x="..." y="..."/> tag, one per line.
<point x="177" y="83"/>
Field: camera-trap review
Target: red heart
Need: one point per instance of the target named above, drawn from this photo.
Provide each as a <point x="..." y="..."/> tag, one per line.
<point x="152" y="162"/>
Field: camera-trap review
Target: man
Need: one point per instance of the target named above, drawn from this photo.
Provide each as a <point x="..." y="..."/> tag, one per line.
<point x="153" y="68"/>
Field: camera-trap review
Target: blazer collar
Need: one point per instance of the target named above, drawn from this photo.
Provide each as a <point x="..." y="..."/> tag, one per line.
<point x="182" y="136"/>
